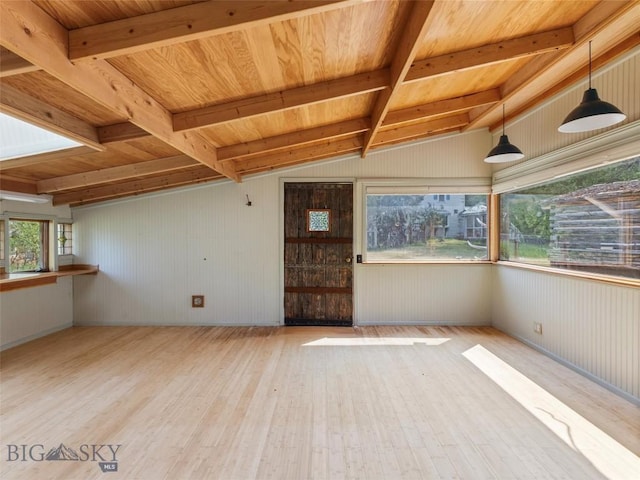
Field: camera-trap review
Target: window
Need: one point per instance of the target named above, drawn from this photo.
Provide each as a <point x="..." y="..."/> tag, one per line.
<point x="407" y="227"/>
<point x="65" y="239"/>
<point x="588" y="221"/>
<point x="28" y="245"/>
<point x="442" y="198"/>
<point x="19" y="139"/>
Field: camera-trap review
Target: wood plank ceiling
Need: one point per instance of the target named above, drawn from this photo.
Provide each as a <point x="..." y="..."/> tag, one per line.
<point x="163" y="93"/>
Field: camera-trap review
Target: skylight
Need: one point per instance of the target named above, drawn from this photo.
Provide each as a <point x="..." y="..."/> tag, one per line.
<point x="20" y="139"/>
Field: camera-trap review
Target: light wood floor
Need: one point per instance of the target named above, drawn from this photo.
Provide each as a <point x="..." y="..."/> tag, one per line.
<point x="308" y="403"/>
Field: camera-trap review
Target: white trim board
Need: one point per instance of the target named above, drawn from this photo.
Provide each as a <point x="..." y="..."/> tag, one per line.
<point x="608" y="147"/>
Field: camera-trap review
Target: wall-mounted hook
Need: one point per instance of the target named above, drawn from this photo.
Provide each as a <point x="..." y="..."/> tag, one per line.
<point x="248" y="204"/>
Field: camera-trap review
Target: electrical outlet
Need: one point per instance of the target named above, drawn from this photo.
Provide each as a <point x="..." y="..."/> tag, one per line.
<point x="197" y="301"/>
<point x="537" y="327"/>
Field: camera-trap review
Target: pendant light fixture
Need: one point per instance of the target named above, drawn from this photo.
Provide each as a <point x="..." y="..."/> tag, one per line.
<point x="505" y="151"/>
<point x="592" y="113"/>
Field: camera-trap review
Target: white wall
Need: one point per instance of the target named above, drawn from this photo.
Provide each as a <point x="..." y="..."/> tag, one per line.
<point x="32" y="312"/>
<point x="155" y="252"/>
<point x="593" y="326"/>
<point x="424" y="294"/>
<point x="152" y="250"/>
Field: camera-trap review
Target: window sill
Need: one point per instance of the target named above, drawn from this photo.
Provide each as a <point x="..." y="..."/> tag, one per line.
<point x="611" y="280"/>
<point x="14" y="281"/>
<point x="427" y="262"/>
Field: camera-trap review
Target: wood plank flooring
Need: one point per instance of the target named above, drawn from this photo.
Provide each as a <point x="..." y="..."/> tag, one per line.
<point x="305" y="403"/>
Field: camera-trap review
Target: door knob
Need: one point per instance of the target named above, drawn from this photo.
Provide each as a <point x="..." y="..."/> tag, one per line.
<point x="348" y="259"/>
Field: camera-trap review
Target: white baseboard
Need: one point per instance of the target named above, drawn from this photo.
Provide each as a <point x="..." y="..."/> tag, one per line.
<point x="612" y="388"/>
<point x="29" y="338"/>
<point x="422" y="324"/>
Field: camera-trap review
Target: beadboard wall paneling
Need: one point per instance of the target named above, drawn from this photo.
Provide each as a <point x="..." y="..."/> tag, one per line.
<point x="591" y="325"/>
<point x="30" y="313"/>
<point x="452" y="155"/>
<point x="156" y="251"/>
<point x="424" y="294"/>
<point x="536" y="133"/>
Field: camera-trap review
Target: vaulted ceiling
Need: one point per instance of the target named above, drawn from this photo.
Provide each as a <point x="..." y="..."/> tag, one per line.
<point x="163" y="93"/>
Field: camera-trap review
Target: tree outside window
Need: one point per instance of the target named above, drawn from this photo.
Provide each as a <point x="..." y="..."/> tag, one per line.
<point x="28" y="245"/>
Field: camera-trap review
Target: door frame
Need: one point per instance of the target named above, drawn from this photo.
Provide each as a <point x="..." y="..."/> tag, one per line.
<point x="356" y="235"/>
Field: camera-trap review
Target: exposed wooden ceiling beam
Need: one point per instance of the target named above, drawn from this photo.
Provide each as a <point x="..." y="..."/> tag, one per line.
<point x="607" y="24"/>
<point x="42" y="158"/>
<point x="29" y="32"/>
<point x="287" y="99"/>
<point x="486" y="55"/>
<point x="153" y="167"/>
<point x="120" y="132"/>
<point x="412" y="33"/>
<point x="328" y="137"/>
<point x="125" y="131"/>
<point x="113" y="174"/>
<point x="600" y="19"/>
<point x="299" y="156"/>
<point x="424" y="129"/>
<point x="133" y="187"/>
<point x="601" y="16"/>
<point x="183" y="24"/>
<point x="293" y="140"/>
<point x="443" y="107"/>
<point x="370" y="81"/>
<point x="12" y="64"/>
<point x="36" y="112"/>
<point x="11" y="184"/>
<point x="597" y="63"/>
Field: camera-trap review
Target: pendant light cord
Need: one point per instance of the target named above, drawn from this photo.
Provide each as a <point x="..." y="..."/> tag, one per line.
<point x="503" y="119"/>
<point x="589" y="64"/>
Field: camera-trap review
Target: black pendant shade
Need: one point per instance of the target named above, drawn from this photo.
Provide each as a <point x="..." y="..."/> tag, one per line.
<point x="592" y="113"/>
<point x="504" y="151"/>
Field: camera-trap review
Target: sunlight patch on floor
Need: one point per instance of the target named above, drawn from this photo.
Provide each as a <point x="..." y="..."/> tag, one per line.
<point x="607" y="455"/>
<point x="374" y="341"/>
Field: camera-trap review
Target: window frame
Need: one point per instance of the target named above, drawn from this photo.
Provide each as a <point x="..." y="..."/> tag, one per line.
<point x="611" y="146"/>
<point x="49" y="244"/>
<point x="574" y="266"/>
<point x="58" y="224"/>
<point x="3" y="236"/>
<point x="428" y="187"/>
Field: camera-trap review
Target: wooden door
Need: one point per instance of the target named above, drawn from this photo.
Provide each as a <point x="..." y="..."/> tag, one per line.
<point x="318" y="254"/>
